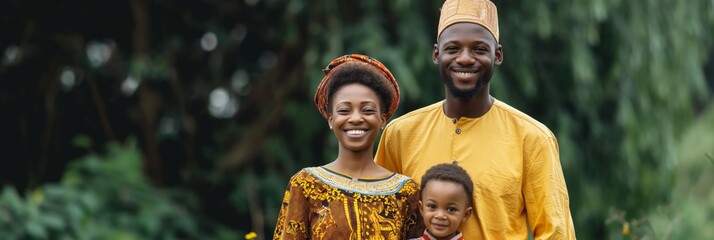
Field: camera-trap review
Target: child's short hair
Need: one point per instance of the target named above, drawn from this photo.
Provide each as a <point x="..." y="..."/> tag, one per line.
<point x="450" y="173"/>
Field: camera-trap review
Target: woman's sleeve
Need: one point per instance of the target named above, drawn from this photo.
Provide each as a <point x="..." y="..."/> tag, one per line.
<point x="414" y="224"/>
<point x="293" y="221"/>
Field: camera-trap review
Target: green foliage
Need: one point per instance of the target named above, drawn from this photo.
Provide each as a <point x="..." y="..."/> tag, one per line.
<point x="617" y="81"/>
<point x="692" y="198"/>
<point x="105" y="197"/>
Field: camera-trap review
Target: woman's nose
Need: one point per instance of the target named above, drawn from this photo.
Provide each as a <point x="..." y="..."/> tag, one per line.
<point x="355" y="116"/>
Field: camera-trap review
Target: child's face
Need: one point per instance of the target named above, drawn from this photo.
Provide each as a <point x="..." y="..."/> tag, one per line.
<point x="444" y="206"/>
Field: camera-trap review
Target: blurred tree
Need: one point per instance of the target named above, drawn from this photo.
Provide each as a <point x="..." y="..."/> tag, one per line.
<point x="618" y="82"/>
<point x="219" y="92"/>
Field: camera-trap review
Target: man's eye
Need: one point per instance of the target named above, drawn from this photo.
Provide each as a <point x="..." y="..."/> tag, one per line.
<point x="481" y="50"/>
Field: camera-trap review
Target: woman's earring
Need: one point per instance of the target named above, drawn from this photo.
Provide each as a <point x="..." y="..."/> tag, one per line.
<point x="330" y="126"/>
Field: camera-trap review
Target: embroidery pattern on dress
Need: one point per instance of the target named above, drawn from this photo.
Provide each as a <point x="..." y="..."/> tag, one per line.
<point x="385" y="186"/>
<point x="334" y="211"/>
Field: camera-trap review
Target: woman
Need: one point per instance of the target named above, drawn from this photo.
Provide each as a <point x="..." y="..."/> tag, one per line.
<point x="352" y="197"/>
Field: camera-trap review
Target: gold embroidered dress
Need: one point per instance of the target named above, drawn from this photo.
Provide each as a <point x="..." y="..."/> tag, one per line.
<point x="322" y="204"/>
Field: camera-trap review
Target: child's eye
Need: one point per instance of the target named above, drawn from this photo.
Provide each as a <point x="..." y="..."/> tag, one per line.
<point x="430" y="206"/>
<point x="452" y="209"/>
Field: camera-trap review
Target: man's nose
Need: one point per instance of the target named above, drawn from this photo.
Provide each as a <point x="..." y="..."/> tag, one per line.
<point x="465" y="58"/>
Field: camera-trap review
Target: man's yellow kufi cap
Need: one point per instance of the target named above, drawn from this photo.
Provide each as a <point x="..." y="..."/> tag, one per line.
<point x="481" y="12"/>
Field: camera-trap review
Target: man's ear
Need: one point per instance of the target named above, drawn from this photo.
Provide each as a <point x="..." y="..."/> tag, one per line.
<point x="468" y="214"/>
<point x="499" y="55"/>
<point x="435" y="54"/>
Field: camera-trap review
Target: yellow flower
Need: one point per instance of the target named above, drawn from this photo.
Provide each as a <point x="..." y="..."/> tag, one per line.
<point x="251" y="235"/>
<point x="625" y="229"/>
<point x="38" y="196"/>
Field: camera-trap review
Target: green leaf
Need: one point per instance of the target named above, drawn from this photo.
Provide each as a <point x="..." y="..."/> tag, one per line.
<point x="35" y="230"/>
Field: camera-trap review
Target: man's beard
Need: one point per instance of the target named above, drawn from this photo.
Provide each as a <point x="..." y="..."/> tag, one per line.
<point x="462" y="94"/>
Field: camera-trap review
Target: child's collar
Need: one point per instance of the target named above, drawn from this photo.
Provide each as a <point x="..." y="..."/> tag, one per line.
<point x="428" y="236"/>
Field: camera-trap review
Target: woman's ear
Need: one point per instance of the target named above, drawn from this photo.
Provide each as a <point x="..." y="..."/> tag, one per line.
<point x="384" y="121"/>
<point x="329" y="120"/>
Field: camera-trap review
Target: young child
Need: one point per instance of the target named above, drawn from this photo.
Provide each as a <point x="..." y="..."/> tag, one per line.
<point x="446" y="201"/>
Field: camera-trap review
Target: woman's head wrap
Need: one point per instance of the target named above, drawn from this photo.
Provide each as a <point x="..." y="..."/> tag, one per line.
<point x="321" y="95"/>
<point x="481" y="12"/>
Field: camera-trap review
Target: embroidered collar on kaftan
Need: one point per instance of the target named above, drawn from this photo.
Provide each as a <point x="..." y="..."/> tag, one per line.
<point x="385" y="186"/>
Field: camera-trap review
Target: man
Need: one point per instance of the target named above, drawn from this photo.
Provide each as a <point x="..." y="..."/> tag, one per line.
<point x="512" y="158"/>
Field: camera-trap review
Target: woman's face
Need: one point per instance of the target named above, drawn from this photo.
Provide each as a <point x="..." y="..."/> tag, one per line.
<point x="356" y="117"/>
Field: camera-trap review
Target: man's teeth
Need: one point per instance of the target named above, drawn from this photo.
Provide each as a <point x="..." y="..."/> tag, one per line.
<point x="465" y="74"/>
<point x="356" y="132"/>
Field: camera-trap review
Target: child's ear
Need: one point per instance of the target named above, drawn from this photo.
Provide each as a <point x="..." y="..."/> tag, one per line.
<point x="420" y="211"/>
<point x="467" y="215"/>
